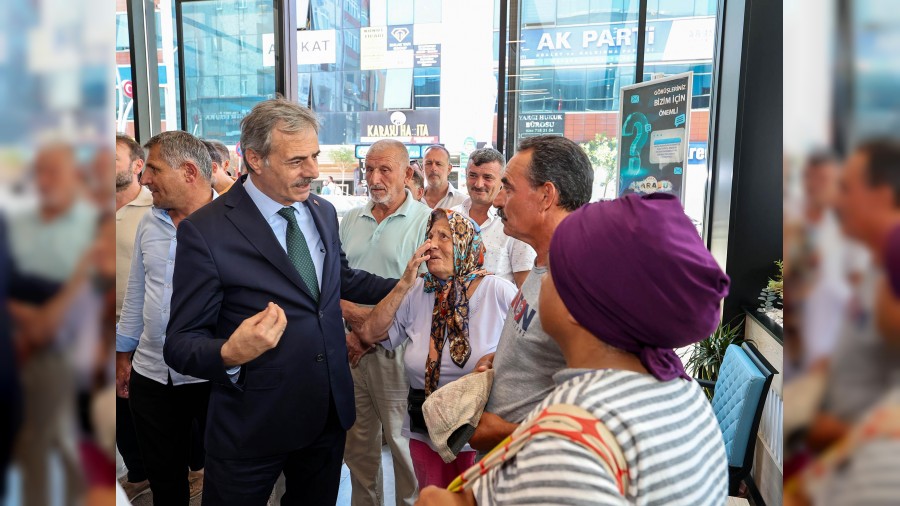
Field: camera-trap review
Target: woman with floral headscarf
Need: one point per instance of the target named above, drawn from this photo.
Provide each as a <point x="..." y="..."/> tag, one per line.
<point x="449" y="315"/>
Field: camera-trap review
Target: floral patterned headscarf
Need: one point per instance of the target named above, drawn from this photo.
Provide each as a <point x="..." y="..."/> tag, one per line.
<point x="450" y="317"/>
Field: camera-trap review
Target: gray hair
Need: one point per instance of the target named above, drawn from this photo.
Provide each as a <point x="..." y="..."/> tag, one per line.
<point x="399" y="147"/>
<point x="177" y="147"/>
<point x="563" y="163"/>
<point x="440" y="148"/>
<point x="266" y="116"/>
<point x="487" y="155"/>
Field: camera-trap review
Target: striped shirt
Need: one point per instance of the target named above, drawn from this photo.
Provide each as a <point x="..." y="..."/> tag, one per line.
<point x="668" y="434"/>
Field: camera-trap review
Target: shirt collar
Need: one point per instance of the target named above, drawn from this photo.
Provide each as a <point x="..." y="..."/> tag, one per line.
<point x="264" y="203"/>
<point x="143" y="199"/>
<point x="163" y="214"/>
<point x="401" y="211"/>
<point x="467" y="207"/>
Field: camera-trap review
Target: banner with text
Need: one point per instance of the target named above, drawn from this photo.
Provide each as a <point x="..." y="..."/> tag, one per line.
<point x="532" y="124"/>
<point x="408" y="126"/>
<point x="654" y="131"/>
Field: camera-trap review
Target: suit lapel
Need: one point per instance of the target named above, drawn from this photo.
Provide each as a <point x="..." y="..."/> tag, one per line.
<point x="325" y="233"/>
<point x="253" y="226"/>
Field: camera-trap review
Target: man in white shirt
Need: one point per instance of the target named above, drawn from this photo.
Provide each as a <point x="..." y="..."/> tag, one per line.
<point x="163" y="402"/>
<point x="506" y="257"/>
<point x="440" y="193"/>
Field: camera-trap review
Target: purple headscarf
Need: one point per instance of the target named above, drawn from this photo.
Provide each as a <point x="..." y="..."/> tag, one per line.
<point x="635" y="273"/>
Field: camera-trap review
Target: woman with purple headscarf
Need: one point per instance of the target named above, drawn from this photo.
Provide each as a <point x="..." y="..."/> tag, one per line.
<point x="629" y="281"/>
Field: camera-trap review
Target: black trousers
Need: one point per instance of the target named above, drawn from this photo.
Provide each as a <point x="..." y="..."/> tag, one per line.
<point x="312" y="474"/>
<point x="126" y="442"/>
<point x="10" y="421"/>
<point x="163" y="416"/>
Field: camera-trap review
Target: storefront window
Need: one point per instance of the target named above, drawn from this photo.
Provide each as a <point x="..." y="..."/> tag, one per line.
<point x="229" y="65"/>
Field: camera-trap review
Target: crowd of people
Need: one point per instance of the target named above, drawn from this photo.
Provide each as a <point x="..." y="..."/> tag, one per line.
<point x="57" y="293"/>
<point x="261" y="343"/>
<point x="842" y="367"/>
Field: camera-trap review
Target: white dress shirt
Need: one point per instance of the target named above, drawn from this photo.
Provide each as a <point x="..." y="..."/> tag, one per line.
<point x="145" y="310"/>
<point x="453" y="198"/>
<point x="269" y="209"/>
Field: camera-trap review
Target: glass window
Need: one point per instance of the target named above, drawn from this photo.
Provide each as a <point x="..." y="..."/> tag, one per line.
<point x="226" y="52"/>
<point x="427" y="88"/>
<point x="325" y="92"/>
<point x="683" y="44"/>
<point x="572" y="11"/>
<point x="666" y="9"/>
<point x="122" y="40"/>
<point x="325" y="14"/>
<point x="400" y="12"/>
<point x="538" y="12"/>
<point x="428" y="11"/>
<point x="398" y="89"/>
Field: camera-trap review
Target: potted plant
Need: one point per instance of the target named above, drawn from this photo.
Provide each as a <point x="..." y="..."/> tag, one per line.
<point x="707" y="355"/>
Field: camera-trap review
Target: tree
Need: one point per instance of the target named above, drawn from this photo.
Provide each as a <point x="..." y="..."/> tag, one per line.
<point x="344" y="157"/>
<point x="602" y="153"/>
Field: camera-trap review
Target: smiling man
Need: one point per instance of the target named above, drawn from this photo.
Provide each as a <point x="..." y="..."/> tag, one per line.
<point x="256" y="311"/>
<point x="506" y="257"/>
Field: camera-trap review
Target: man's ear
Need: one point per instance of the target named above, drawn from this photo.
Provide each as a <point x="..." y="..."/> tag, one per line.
<point x="191" y="171"/>
<point x="138" y="166"/>
<point x="409" y="175"/>
<point x="254" y="161"/>
<point x="549" y="195"/>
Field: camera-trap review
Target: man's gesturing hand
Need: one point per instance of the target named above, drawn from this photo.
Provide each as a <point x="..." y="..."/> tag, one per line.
<point x="256" y="335"/>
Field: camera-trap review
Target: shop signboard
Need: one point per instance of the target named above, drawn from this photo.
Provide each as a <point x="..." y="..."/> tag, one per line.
<point x="399" y="47"/>
<point x="407" y="126"/>
<point x="670" y="40"/>
<point x="654" y="131"/>
<point x="414" y="150"/>
<point x="532" y="124"/>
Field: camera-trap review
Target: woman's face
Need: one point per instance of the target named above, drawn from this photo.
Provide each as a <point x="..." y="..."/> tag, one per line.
<point x="440" y="264"/>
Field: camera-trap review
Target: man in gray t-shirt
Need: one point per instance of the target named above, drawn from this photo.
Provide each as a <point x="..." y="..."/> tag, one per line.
<point x="526" y="357"/>
<point x="548" y="178"/>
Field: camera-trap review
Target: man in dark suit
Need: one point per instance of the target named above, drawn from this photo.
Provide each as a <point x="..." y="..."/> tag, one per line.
<point x="255" y="310"/>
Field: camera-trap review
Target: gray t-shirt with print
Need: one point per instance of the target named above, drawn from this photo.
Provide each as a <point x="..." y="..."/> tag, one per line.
<point x="526" y="358"/>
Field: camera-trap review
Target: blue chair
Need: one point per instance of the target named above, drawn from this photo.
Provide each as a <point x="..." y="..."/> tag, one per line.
<point x="739" y="397"/>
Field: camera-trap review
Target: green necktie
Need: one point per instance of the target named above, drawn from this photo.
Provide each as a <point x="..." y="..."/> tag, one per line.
<point x="298" y="252"/>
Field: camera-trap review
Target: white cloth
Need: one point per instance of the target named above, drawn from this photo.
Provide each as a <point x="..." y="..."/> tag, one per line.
<point x="503" y="255"/>
<point x="487" y="312"/>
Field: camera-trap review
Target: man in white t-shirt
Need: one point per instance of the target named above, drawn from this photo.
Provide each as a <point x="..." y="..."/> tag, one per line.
<point x="506" y="257"/>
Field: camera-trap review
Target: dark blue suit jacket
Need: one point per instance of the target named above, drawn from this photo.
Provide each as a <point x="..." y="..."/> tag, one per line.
<point x="229" y="265"/>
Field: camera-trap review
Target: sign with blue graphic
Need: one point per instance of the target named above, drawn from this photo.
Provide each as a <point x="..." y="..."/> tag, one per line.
<point x="654" y="134"/>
